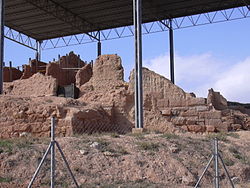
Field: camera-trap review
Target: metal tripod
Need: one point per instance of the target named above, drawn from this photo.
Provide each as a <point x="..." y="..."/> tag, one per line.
<point x="52" y="146"/>
<point x="215" y="156"/>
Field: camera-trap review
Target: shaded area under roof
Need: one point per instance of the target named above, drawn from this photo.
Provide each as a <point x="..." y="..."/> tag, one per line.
<point x="47" y="19"/>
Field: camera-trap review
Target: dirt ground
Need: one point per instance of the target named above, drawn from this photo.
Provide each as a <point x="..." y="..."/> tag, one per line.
<point x="134" y="160"/>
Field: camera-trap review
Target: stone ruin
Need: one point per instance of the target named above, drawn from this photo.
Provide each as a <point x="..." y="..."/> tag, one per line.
<point x="106" y="102"/>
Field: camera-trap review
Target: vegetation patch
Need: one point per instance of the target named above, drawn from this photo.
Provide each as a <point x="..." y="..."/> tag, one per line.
<point x="220" y="136"/>
<point x="6" y="146"/>
<point x="5" y="179"/>
<point x="238" y="155"/>
<point x="234" y="135"/>
<point x="148" y="146"/>
<point x="170" y="136"/>
<point x="228" y="162"/>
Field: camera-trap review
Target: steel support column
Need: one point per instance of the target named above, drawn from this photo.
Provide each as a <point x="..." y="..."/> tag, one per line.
<point x="138" y="64"/>
<point x="1" y="44"/>
<point x="38" y="50"/>
<point x="99" y="48"/>
<point x="171" y="51"/>
<point x="99" y="45"/>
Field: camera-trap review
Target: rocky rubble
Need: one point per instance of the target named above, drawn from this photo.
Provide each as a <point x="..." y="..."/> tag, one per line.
<point x="106" y="102"/>
<point x="37" y="85"/>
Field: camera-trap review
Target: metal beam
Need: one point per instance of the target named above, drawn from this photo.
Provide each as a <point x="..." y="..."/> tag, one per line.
<point x="63" y="14"/>
<point x="171" y="50"/>
<point x="138" y="65"/>
<point x="1" y="44"/>
<point x="19" y="38"/>
<point x="155" y="27"/>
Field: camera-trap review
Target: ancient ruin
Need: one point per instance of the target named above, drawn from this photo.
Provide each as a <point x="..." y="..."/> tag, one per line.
<point x="106" y="102"/>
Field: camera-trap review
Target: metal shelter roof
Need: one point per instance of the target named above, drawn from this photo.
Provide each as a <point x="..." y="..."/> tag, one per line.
<point x="47" y="19"/>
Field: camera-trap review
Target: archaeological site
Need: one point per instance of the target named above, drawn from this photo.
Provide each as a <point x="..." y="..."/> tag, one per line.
<point x="93" y="97"/>
<point x="72" y="123"/>
<point x="94" y="111"/>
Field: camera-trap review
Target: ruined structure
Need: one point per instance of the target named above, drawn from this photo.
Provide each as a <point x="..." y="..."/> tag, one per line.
<point x="10" y="74"/>
<point x="106" y="103"/>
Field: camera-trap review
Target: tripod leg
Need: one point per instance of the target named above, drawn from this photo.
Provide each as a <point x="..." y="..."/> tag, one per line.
<point x="67" y="164"/>
<point x="225" y="168"/>
<point x="39" y="166"/>
<point x="203" y="173"/>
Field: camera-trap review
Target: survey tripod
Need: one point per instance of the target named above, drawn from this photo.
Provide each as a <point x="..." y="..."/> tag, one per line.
<point x="216" y="157"/>
<point x="52" y="146"/>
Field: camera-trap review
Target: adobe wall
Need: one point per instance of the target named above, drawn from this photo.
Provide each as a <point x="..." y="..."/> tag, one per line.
<point x="63" y="76"/>
<point x="11" y="74"/>
<point x="183" y="110"/>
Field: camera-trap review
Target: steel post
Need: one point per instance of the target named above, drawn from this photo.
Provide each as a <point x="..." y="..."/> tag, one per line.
<point x="171" y="47"/>
<point x="216" y="163"/>
<point x="38" y="50"/>
<point x="10" y="69"/>
<point x="99" y="48"/>
<point x="136" y="67"/>
<point x="59" y="60"/>
<point x="1" y="44"/>
<point x="78" y="61"/>
<point x="99" y="45"/>
<point x="52" y="160"/>
<point x="139" y="57"/>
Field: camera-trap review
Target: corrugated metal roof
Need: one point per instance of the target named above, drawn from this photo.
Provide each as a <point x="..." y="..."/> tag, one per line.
<point x="46" y="19"/>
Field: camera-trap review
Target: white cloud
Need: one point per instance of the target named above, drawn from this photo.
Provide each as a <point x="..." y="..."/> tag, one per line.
<point x="198" y="73"/>
<point x="234" y="83"/>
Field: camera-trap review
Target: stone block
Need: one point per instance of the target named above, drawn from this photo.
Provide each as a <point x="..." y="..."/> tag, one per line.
<point x="162" y="103"/>
<point x="196" y="128"/>
<point x="215" y="122"/>
<point x="192" y="120"/>
<point x="210" y="128"/>
<point x="190" y="112"/>
<point x="166" y="112"/>
<point x="138" y="130"/>
<point x="223" y="127"/>
<point x="179" y="121"/>
<point x="202" y="108"/>
<point x="192" y="101"/>
<point x="213" y="114"/>
<point x="236" y="127"/>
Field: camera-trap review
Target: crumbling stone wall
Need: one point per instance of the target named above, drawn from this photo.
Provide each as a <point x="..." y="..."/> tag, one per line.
<point x="216" y="99"/>
<point x="84" y="75"/>
<point x="183" y="110"/>
<point x="11" y="74"/>
<point x="108" y="89"/>
<point x="107" y="104"/>
<point x="63" y="76"/>
<point x="33" y="68"/>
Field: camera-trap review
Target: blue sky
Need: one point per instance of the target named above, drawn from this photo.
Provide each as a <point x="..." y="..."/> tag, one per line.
<point x="214" y="55"/>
